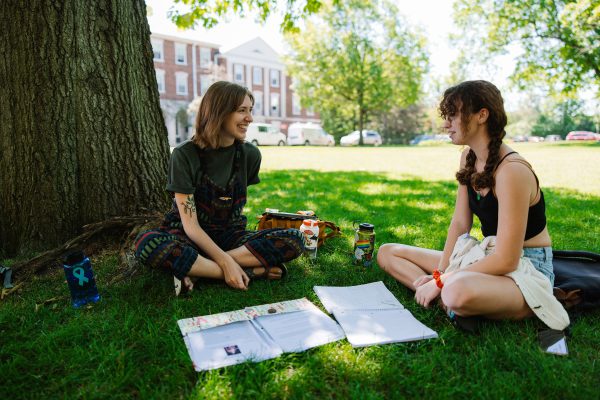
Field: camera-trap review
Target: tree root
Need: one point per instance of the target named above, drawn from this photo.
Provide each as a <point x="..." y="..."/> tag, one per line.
<point x="95" y="237"/>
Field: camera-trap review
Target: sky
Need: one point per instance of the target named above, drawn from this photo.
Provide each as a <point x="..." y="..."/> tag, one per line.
<point x="434" y="17"/>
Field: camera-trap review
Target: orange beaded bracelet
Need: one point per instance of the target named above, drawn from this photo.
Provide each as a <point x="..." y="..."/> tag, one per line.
<point x="437" y="277"/>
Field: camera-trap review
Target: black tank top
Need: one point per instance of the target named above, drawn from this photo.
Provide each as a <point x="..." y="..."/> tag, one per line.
<point x="486" y="209"/>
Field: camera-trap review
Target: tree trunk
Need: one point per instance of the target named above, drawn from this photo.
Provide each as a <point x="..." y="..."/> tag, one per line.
<point x="361" y="125"/>
<point x="82" y="134"/>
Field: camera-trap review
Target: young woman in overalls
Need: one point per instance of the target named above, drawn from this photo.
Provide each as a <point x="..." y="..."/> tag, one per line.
<point x="204" y="234"/>
<point x="500" y="187"/>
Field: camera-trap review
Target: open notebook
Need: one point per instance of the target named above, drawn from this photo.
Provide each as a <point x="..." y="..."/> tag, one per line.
<point x="370" y="314"/>
<point x="256" y="333"/>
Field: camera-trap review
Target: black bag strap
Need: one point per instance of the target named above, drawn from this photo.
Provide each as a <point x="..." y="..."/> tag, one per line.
<point x="576" y="255"/>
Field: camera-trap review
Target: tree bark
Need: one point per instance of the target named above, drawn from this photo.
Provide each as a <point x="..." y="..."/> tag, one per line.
<point x="81" y="131"/>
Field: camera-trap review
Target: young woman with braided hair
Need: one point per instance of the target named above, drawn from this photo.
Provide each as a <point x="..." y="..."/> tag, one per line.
<point x="500" y="187"/>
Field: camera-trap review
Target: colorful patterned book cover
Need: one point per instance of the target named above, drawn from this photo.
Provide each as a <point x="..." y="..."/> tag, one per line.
<point x="189" y="325"/>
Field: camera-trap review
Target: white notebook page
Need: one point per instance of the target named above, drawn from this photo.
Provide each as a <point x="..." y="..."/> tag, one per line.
<point x="365" y="328"/>
<point x="371" y="296"/>
<point x="301" y="330"/>
<point x="229" y="345"/>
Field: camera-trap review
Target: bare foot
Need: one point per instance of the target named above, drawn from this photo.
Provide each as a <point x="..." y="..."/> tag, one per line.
<point x="188" y="283"/>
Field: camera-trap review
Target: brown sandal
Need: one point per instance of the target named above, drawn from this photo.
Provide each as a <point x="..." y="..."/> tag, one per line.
<point x="268" y="273"/>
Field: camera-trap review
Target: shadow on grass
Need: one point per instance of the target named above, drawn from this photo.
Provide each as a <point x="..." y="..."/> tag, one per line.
<point x="411" y="211"/>
<point x="129" y="345"/>
<point x="397" y="208"/>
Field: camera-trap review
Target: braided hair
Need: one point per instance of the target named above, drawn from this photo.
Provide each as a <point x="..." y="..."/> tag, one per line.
<point x="468" y="98"/>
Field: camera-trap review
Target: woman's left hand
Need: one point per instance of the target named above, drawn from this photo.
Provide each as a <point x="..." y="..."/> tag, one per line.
<point x="422" y="280"/>
<point x="426" y="293"/>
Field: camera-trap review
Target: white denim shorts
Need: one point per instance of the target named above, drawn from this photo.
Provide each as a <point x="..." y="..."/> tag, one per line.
<point x="541" y="258"/>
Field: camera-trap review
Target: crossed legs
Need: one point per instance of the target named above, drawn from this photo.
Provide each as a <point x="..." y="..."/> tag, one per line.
<point x="466" y="293"/>
<point x="207" y="268"/>
<point x="407" y="263"/>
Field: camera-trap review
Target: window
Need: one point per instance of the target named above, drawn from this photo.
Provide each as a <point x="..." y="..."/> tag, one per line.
<point x="274" y="104"/>
<point x="157" y="48"/>
<point x="274" y="78"/>
<point x="204" y="57"/>
<point x="310" y="111"/>
<point x="257" y="75"/>
<point x="294" y="85"/>
<point x="296" y="109"/>
<point x="258" y="103"/>
<point x="181" y="83"/>
<point x="180" y="53"/>
<point x="205" y="82"/>
<point x="238" y="73"/>
<point x="160" y="80"/>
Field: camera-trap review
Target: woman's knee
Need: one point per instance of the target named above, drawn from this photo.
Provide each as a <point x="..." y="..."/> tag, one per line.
<point x="143" y="243"/>
<point x="383" y="255"/>
<point x="458" y="292"/>
<point x="277" y="245"/>
<point x="387" y="252"/>
<point x="294" y="239"/>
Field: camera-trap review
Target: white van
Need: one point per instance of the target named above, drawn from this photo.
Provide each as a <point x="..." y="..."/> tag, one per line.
<point x="260" y="134"/>
<point x="308" y="134"/>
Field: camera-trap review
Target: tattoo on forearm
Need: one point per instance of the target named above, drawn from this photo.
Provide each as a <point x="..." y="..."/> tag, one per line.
<point x="189" y="206"/>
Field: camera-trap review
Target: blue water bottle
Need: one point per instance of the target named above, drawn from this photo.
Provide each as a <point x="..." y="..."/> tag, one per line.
<point x="80" y="278"/>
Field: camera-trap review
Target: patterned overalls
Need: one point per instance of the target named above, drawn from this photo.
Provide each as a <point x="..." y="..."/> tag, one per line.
<point x="219" y="212"/>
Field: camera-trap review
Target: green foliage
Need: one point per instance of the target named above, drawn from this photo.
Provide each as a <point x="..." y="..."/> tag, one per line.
<point x="338" y="121"/>
<point x="129" y="346"/>
<point x="558" y="39"/>
<point x="562" y="118"/>
<point x="356" y="60"/>
<point x="401" y="124"/>
<point x="209" y="13"/>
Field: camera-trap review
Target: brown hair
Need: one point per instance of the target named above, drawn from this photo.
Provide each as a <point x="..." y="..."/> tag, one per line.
<point x="221" y="99"/>
<point x="468" y="98"/>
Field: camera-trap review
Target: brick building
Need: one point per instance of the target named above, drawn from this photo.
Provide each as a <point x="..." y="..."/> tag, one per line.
<point x="185" y="68"/>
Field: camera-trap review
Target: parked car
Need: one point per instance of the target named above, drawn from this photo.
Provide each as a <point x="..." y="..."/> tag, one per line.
<point x="553" y="138"/>
<point x="369" y="137"/>
<point x="260" y="134"/>
<point x="535" y="139"/>
<point x="420" y="138"/>
<point x="429" y="139"/>
<point x="583" y="135"/>
<point x="519" y="138"/>
<point x="308" y="134"/>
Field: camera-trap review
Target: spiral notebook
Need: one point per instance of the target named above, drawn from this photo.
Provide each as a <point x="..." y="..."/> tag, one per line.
<point x="370" y="314"/>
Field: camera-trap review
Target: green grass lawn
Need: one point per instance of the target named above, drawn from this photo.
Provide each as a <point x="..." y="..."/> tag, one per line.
<point x="558" y="165"/>
<point x="129" y="345"/>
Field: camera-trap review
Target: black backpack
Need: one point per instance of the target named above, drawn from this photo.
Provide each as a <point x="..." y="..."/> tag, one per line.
<point x="577" y="279"/>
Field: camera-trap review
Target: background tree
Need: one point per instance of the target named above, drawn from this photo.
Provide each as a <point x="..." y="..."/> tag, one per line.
<point x="400" y="125"/>
<point x="562" y="118"/>
<point x="356" y="60"/>
<point x="557" y="40"/>
<point x="208" y="14"/>
<point x="81" y="131"/>
<point x="338" y="121"/>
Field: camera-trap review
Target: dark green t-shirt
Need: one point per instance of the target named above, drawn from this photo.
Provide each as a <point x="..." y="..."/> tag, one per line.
<point x="185" y="169"/>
